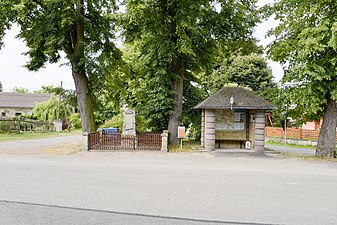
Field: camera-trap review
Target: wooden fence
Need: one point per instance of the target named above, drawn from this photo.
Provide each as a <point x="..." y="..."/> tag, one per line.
<point x="23" y="125"/>
<point x="292" y="133"/>
<point x="120" y="142"/>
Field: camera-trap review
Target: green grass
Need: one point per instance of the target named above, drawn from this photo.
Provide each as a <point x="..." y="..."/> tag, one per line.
<point x="188" y="146"/>
<point x="31" y="135"/>
<point x="291" y="145"/>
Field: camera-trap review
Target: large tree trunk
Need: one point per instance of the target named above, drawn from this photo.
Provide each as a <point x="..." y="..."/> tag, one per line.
<point x="84" y="101"/>
<point x="75" y="52"/>
<point x="177" y="97"/>
<point x="327" y="135"/>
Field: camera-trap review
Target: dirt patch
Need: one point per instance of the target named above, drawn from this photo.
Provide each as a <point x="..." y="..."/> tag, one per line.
<point x="66" y="149"/>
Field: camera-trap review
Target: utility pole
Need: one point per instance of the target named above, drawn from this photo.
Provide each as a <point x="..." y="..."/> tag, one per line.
<point x="59" y="108"/>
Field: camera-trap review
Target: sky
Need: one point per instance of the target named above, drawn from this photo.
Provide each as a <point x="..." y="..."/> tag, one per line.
<point x="13" y="74"/>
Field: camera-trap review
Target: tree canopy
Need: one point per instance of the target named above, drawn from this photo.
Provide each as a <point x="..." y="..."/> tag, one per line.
<point x="246" y="70"/>
<point x="49" y="110"/>
<point x="20" y="90"/>
<point x="175" y="38"/>
<point x="83" y="29"/>
<point x="306" y="45"/>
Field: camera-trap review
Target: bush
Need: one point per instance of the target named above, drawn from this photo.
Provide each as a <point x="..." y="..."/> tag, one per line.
<point x="194" y="132"/>
<point x="5" y="126"/>
<point x="117" y="122"/>
<point x="75" y="121"/>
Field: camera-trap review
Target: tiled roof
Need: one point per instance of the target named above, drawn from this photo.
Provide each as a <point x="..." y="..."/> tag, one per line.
<point x="243" y="99"/>
<point x="21" y="100"/>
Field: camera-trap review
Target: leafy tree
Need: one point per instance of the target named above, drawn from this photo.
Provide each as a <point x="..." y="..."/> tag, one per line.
<point x="0" y="87"/>
<point x="175" y="37"/>
<point x="49" y="110"/>
<point x="246" y="70"/>
<point x="82" y="29"/>
<point x="68" y="95"/>
<point x="6" y="15"/>
<point x="306" y="44"/>
<point x="20" y="90"/>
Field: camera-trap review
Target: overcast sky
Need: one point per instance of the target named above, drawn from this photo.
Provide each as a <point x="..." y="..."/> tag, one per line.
<point x="13" y="74"/>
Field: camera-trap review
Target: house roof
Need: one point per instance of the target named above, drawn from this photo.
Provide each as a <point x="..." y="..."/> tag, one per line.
<point x="243" y="99"/>
<point x="21" y="100"/>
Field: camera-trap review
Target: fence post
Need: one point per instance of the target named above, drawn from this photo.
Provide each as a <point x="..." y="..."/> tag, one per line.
<point x="85" y="141"/>
<point x="164" y="140"/>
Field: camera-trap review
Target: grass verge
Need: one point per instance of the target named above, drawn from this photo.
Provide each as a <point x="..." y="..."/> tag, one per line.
<point x="290" y="145"/>
<point x="188" y="146"/>
<point x="32" y="135"/>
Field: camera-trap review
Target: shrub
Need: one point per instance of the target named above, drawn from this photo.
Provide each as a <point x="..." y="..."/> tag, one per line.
<point x="5" y="126"/>
<point x="75" y="121"/>
<point x="117" y="122"/>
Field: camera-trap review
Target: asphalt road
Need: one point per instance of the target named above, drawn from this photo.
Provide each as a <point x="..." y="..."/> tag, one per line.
<point x="292" y="150"/>
<point x="156" y="188"/>
<point x="34" y="146"/>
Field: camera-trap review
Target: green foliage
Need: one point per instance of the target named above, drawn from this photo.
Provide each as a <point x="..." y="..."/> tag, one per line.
<point x="6" y="16"/>
<point x="20" y="90"/>
<point x="32" y="117"/>
<point x="49" y="110"/>
<point x="246" y="70"/>
<point x="175" y="40"/>
<point x="5" y="126"/>
<point x="0" y="87"/>
<point x="68" y="95"/>
<point x="75" y="121"/>
<point x="84" y="30"/>
<point x="191" y="118"/>
<point x="306" y="46"/>
<point x="115" y="122"/>
<point x="50" y="26"/>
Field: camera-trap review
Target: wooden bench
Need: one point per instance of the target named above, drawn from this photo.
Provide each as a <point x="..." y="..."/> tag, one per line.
<point x="242" y="142"/>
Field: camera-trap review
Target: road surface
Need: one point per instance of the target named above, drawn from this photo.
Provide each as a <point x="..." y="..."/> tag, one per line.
<point x="292" y="150"/>
<point x="175" y="188"/>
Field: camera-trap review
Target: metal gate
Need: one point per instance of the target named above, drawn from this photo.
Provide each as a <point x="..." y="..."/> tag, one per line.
<point x="120" y="142"/>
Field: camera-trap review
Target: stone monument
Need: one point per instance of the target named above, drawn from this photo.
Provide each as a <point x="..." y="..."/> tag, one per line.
<point x="129" y="125"/>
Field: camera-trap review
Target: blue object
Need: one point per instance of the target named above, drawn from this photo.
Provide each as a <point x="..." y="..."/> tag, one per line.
<point x="109" y="130"/>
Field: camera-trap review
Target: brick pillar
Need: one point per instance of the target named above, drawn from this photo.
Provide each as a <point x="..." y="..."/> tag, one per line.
<point x="203" y="128"/>
<point x="210" y="129"/>
<point x="260" y="123"/>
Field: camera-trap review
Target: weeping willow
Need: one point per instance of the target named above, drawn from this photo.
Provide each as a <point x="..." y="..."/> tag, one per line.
<point x="49" y="110"/>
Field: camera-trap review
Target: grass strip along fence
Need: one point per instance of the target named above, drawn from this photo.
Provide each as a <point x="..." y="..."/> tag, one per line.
<point x="25" y="125"/>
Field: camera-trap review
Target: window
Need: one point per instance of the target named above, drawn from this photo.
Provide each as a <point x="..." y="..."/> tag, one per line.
<point x="18" y="114"/>
<point x="3" y="114"/>
<point x="230" y="120"/>
<point x="239" y="120"/>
